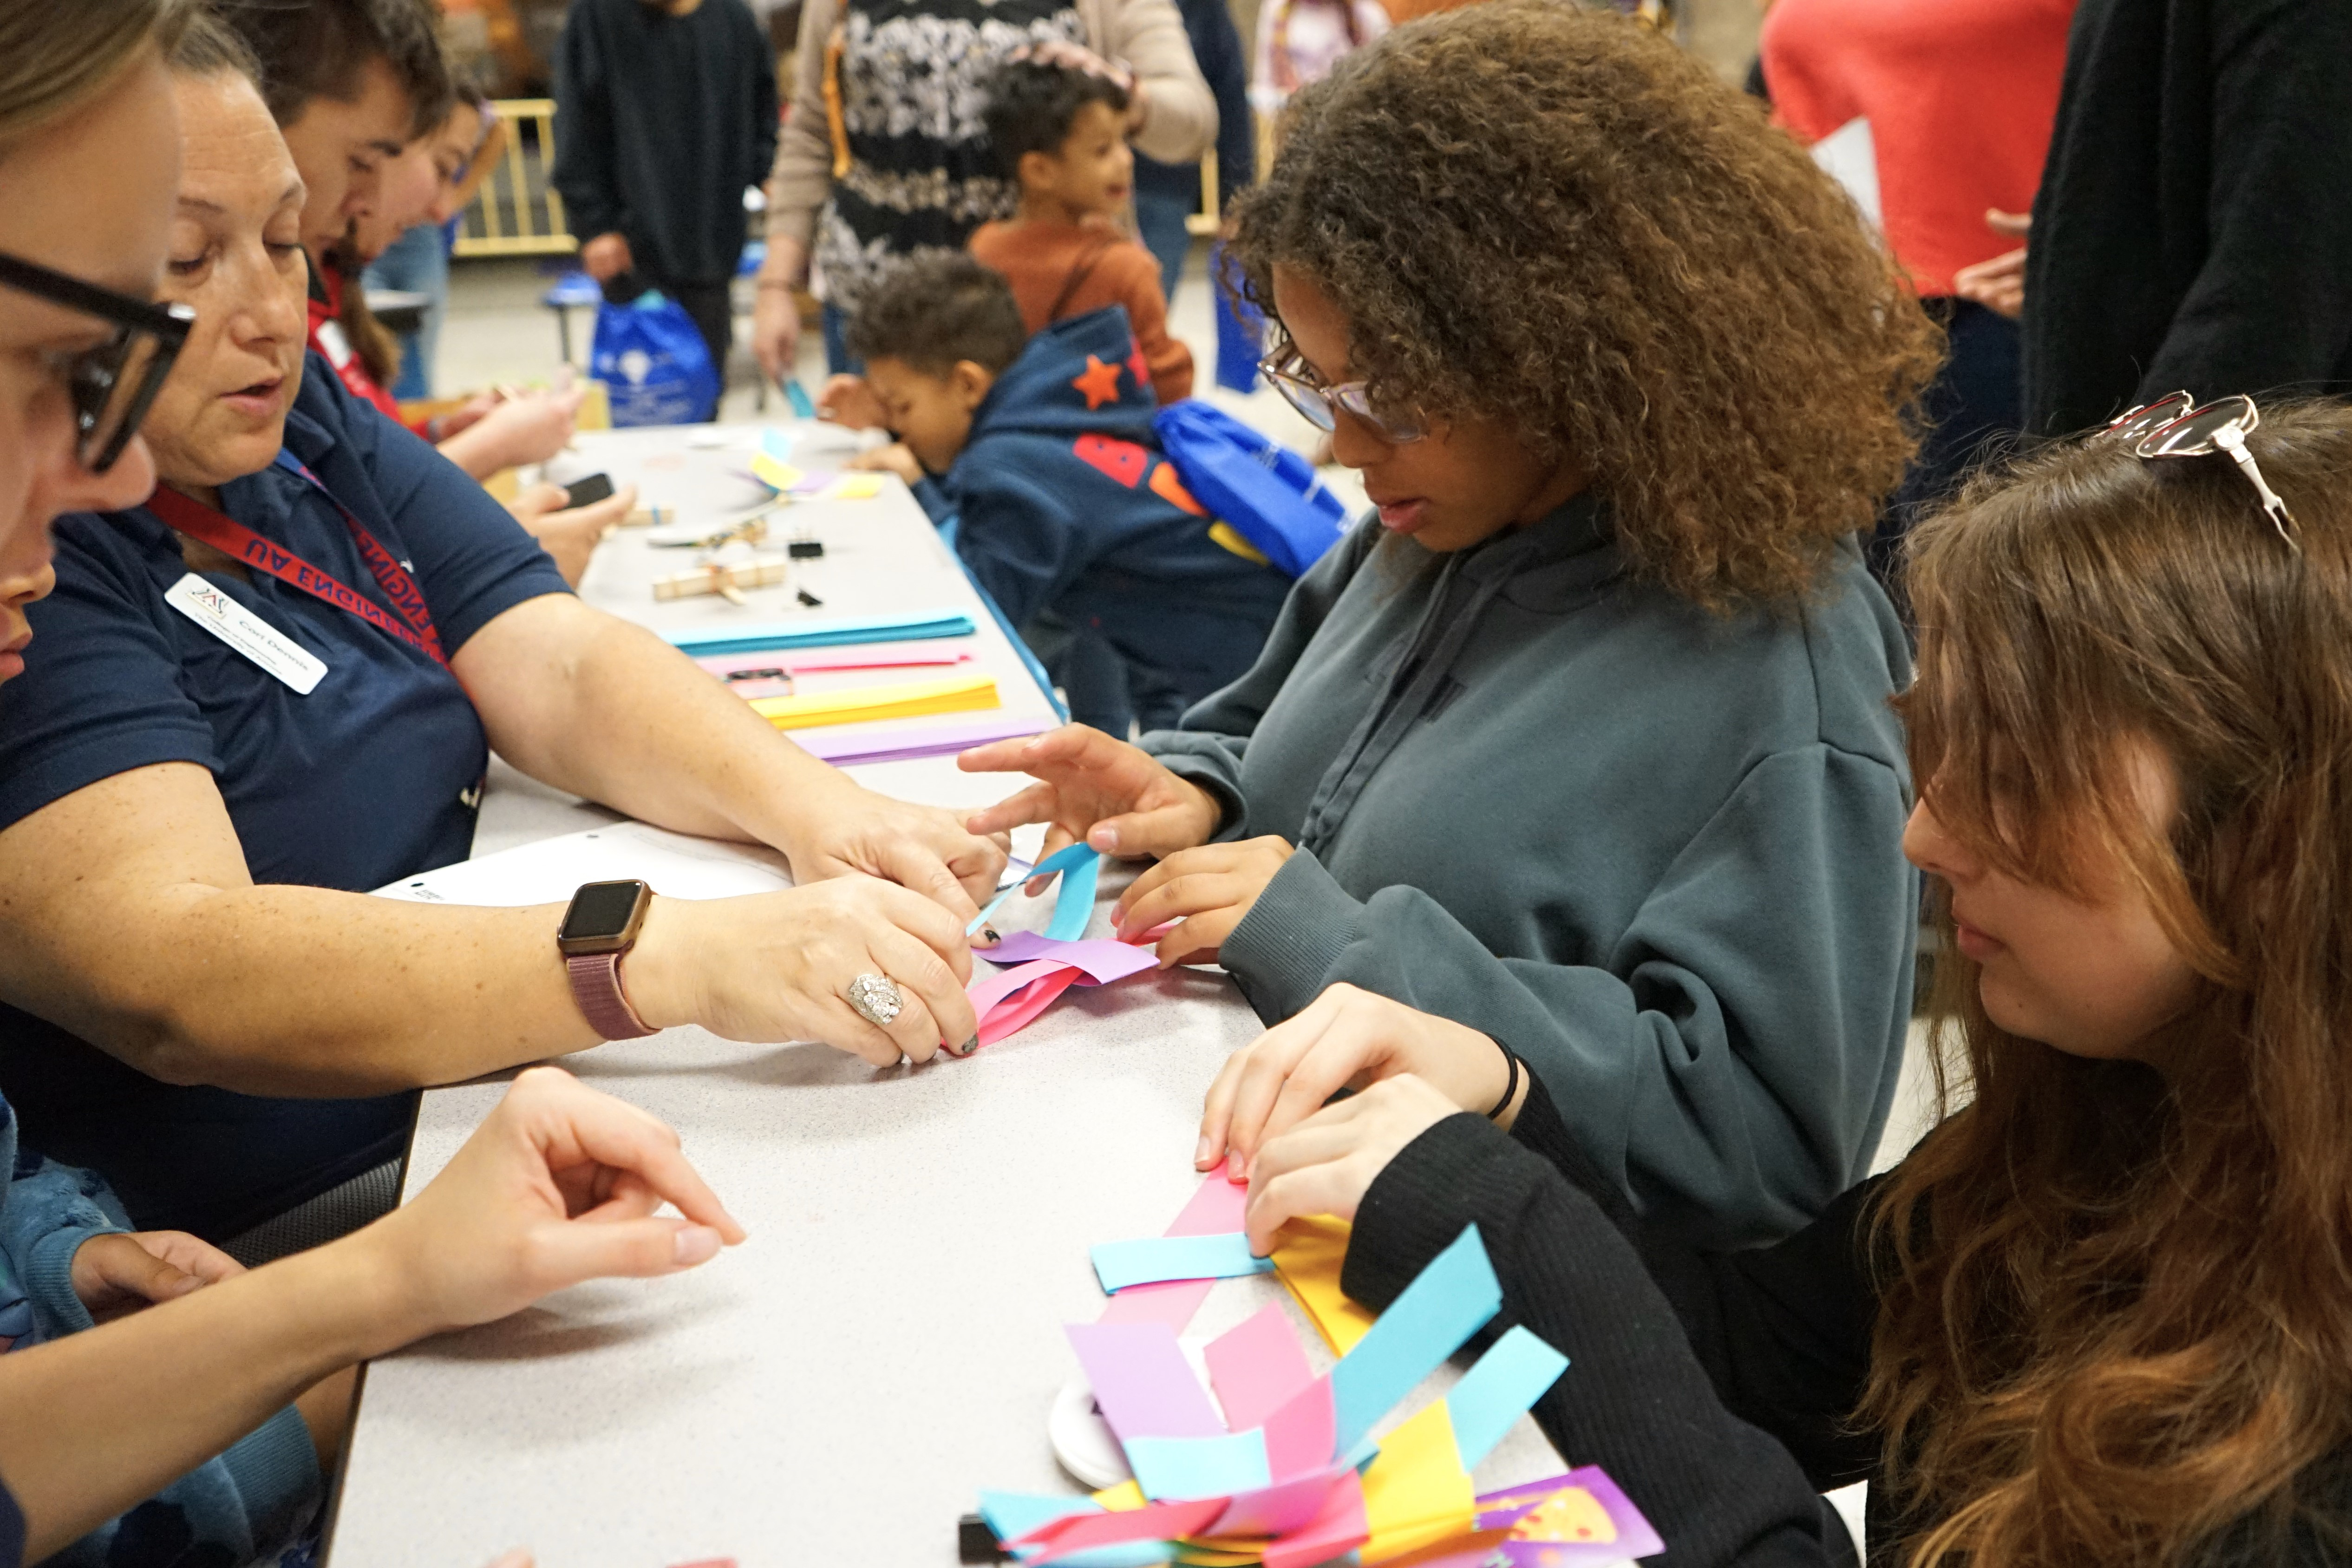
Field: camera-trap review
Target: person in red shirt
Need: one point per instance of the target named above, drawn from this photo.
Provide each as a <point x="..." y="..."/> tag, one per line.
<point x="1959" y="97"/>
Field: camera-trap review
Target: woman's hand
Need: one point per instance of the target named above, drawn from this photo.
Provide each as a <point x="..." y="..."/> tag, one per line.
<point x="922" y="848"/>
<point x="569" y="533"/>
<point x="1327" y="1164"/>
<point x="776" y="309"/>
<point x="1117" y="797"/>
<point x="1077" y="56"/>
<point x="466" y="416"/>
<point x="850" y="401"/>
<point x="1207" y="889"/>
<point x="117" y="1274"/>
<point x="777" y="966"/>
<point x="896" y="457"/>
<point x="559" y="1184"/>
<point x="1344" y="1038"/>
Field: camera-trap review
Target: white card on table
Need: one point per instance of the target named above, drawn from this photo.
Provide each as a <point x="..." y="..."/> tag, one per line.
<point x="247" y="633"/>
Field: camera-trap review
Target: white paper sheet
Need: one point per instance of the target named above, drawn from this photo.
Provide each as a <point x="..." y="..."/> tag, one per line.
<point x="1849" y="156"/>
<point x="549" y="871"/>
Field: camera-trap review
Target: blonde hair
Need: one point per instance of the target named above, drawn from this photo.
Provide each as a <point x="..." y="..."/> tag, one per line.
<point x="55" y="56"/>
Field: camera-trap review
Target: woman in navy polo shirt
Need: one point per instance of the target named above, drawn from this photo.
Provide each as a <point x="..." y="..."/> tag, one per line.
<point x="275" y="686"/>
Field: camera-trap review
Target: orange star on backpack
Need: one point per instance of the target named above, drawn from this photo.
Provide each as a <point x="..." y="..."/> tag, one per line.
<point x="1099" y="383"/>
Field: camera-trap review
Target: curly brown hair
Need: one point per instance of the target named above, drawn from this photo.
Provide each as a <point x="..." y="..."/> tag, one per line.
<point x="1555" y="219"/>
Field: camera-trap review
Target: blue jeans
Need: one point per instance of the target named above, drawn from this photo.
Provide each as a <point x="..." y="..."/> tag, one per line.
<point x="839" y="360"/>
<point x="1972" y="407"/>
<point x="418" y="262"/>
<point x="1160" y="217"/>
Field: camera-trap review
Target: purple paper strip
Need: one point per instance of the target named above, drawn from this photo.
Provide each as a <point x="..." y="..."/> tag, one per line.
<point x="1102" y="959"/>
<point x="856" y="743"/>
<point x="1141" y="1380"/>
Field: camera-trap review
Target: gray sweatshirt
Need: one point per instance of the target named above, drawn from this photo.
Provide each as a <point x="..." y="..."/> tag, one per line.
<point x="1656" y="852"/>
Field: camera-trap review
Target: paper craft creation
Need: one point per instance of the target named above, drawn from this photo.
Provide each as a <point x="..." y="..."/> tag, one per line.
<point x="900" y="699"/>
<point x="771" y="465"/>
<point x="919" y="626"/>
<point x="1046" y="967"/>
<point x="1280" y="1468"/>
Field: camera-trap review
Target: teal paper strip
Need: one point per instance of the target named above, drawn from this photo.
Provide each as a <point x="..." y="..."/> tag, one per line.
<point x="1073" y="905"/>
<point x="1448" y="1302"/>
<point x="1148" y="1260"/>
<point x="1506" y="1382"/>
<point x="823" y="634"/>
<point x="1199" y="1466"/>
<point x="1063" y="859"/>
<point x="1017" y="1513"/>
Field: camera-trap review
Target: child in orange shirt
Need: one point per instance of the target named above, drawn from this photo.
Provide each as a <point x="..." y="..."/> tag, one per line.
<point x="1061" y="134"/>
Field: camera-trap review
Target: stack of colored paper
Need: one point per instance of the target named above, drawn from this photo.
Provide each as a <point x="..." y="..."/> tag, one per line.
<point x="1271" y="1463"/>
<point x="899" y="700"/>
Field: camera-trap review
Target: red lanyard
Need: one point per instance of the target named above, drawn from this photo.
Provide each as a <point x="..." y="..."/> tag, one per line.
<point x="226" y="534"/>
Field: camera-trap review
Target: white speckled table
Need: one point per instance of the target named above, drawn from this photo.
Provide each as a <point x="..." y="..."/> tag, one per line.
<point x="838" y="1389"/>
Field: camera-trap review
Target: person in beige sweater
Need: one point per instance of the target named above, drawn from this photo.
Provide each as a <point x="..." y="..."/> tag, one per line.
<point x="884" y="154"/>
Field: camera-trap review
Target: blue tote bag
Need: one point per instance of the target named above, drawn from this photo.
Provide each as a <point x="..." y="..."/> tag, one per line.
<point x="651" y="358"/>
<point x="1267" y="493"/>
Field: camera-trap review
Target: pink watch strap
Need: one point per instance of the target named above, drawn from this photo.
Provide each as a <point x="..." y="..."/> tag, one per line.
<point x="597" y="987"/>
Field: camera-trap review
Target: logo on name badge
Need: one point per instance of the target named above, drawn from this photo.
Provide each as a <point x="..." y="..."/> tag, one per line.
<point x="254" y="638"/>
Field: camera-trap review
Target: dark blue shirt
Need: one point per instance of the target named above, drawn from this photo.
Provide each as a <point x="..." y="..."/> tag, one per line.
<point x="372" y="777"/>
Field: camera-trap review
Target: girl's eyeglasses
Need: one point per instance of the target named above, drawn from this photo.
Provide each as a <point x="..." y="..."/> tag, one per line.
<point x="2172" y="428"/>
<point x="112" y="384"/>
<point x="1321" y="404"/>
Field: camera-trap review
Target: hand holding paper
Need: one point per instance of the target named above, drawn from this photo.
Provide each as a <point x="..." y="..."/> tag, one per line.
<point x="1110" y="794"/>
<point x="1327" y="1162"/>
<point x="1345" y="1038"/>
<point x="918" y="846"/>
<point x="1206" y="892"/>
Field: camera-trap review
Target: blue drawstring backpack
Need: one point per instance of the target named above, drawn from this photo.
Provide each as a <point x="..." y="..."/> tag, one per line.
<point x="651" y="358"/>
<point x="1267" y="493"/>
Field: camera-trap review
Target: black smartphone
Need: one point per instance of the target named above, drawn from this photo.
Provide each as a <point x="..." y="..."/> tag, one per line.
<point x="588" y="491"/>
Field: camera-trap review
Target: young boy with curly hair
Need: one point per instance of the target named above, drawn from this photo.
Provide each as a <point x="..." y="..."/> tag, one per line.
<point x="1061" y="134"/>
<point x="1038" y="453"/>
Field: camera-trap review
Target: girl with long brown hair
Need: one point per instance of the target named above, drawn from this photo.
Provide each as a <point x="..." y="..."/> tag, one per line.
<point x="2103" y="1314"/>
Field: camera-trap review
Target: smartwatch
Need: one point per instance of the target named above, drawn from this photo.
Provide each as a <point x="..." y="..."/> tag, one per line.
<point x="598" y="930"/>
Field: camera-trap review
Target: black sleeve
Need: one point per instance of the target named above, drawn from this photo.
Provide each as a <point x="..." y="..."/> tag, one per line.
<point x="1636" y="1399"/>
<point x="2272" y="306"/>
<point x="11" y="1530"/>
<point x="1217" y="47"/>
<point x="767" y="114"/>
<point x="1782" y="1330"/>
<point x="585" y="174"/>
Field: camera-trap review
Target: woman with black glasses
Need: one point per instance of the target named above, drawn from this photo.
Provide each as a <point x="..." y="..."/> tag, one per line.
<point x="217" y="1396"/>
<point x="1582" y="742"/>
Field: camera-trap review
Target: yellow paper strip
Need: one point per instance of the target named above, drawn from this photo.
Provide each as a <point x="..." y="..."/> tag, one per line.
<point x="1124" y="1498"/>
<point x="1416" y="1492"/>
<point x="905" y="700"/>
<point x="774" y="475"/>
<point x="1308" y="1253"/>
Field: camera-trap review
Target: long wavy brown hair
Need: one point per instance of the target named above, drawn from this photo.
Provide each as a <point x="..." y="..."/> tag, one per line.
<point x="1556" y="219"/>
<point x="2118" y="1320"/>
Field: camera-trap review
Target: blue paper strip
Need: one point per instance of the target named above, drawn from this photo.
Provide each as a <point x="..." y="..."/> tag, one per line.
<point x="1508" y="1379"/>
<point x="803" y="405"/>
<point x="1074" y="904"/>
<point x="1150" y="1260"/>
<point x="823" y="634"/>
<point x="1017" y="1513"/>
<point x="1065" y="860"/>
<point x="1453" y="1297"/>
<point x="1199" y="1466"/>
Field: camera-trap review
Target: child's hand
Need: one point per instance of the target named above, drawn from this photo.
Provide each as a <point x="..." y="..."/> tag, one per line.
<point x="1207" y="891"/>
<point x="847" y="400"/>
<point x="117" y="1274"/>
<point x="894" y="459"/>
<point x="1117" y="797"/>
<point x="1327" y="1162"/>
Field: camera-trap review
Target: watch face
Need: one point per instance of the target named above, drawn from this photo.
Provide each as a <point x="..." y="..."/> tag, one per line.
<point x="600" y="911"/>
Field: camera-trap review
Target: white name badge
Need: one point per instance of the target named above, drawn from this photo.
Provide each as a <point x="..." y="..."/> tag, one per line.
<point x="338" y="347"/>
<point x="247" y="633"/>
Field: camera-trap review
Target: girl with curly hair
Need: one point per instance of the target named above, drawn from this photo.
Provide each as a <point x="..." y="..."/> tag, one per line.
<point x="1583" y="740"/>
<point x="2103" y="1314"/>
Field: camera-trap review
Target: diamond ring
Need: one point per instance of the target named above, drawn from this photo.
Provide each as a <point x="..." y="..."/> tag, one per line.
<point x="876" y="998"/>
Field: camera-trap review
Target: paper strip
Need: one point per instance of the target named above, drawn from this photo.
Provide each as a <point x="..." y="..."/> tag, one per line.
<point x="1508" y="1379"/>
<point x="1298" y="1436"/>
<point x="875" y="657"/>
<point x="1215" y="1208"/>
<point x="1103" y="959"/>
<point x="1154" y="1521"/>
<point x="1444" y="1305"/>
<point x="1074" y="903"/>
<point x="1012" y="1513"/>
<point x="1416" y="1493"/>
<point x="940" y="738"/>
<point x="1147" y="1259"/>
<point x="1143" y="1382"/>
<point x="896" y="699"/>
<point x="1337" y="1530"/>
<point x="1277" y="1509"/>
<point x="1031" y="998"/>
<point x="1198" y="1466"/>
<point x="1256" y="1367"/>
<point x="1061" y="859"/>
<point x="919" y="626"/>
<point x="1580" y="1520"/>
<point x="1308" y="1253"/>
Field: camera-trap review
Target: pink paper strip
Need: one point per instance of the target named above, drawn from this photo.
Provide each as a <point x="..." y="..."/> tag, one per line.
<point x="1214" y="1209"/>
<point x="1013" y="1015"/>
<point x="1143" y="1382"/>
<point x="1301" y="1435"/>
<point x="872" y="656"/>
<point x="1279" y="1509"/>
<point x="1337" y="1529"/>
<point x="847" y="743"/>
<point x="1153" y="1522"/>
<point x="1102" y="959"/>
<point x="1257" y="1367"/>
<point x="986" y="993"/>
